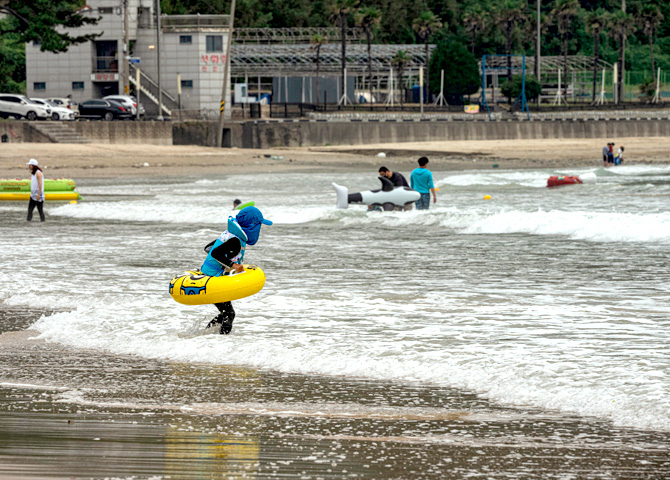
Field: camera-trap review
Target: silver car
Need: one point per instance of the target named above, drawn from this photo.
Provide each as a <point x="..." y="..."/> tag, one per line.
<point x="128" y="101"/>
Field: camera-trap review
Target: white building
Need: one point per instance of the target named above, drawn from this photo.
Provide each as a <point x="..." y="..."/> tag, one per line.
<point x="192" y="56"/>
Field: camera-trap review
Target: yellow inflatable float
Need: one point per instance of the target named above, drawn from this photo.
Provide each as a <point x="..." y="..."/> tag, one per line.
<point x="194" y="288"/>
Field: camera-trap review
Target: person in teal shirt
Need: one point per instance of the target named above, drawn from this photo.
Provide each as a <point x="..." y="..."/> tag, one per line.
<point x="421" y="180"/>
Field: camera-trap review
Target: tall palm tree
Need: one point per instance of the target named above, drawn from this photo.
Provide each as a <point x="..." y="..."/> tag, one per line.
<point x="651" y="18"/>
<point x="508" y="16"/>
<point x="621" y="23"/>
<point x="475" y="20"/>
<point x="339" y="13"/>
<point x="400" y="61"/>
<point x="596" y="22"/>
<point x="427" y="24"/>
<point x="564" y="12"/>
<point x="368" y="19"/>
<point x="317" y="42"/>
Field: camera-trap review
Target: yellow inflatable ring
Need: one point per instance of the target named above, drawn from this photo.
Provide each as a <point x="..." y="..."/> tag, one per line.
<point x="194" y="288"/>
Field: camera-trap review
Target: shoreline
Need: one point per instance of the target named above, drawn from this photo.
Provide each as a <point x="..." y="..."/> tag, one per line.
<point x="109" y="160"/>
<point x="247" y="422"/>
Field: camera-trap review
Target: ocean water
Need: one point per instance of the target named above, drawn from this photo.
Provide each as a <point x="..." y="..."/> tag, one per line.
<point x="555" y="299"/>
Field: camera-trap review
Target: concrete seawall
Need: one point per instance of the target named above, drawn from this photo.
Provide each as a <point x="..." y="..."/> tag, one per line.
<point x="320" y="133"/>
<point x="120" y="132"/>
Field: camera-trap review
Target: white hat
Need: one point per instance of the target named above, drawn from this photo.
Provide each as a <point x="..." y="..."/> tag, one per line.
<point x="32" y="162"/>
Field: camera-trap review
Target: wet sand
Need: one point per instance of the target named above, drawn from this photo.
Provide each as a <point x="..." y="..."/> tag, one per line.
<point x="105" y="161"/>
<point x="86" y="414"/>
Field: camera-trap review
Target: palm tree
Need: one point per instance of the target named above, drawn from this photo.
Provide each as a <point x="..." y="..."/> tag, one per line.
<point x="596" y="22"/>
<point x="368" y="19"/>
<point x="475" y="21"/>
<point x="508" y="16"/>
<point x="564" y="13"/>
<point x="427" y="24"/>
<point x="339" y="12"/>
<point x="651" y="19"/>
<point x="621" y="24"/>
<point x="400" y="61"/>
<point x="317" y="42"/>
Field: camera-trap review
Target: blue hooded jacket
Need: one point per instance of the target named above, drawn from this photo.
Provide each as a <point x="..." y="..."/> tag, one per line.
<point x="421" y="180"/>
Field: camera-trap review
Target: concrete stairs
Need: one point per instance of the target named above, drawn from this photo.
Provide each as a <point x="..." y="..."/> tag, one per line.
<point x="149" y="89"/>
<point x="59" y="132"/>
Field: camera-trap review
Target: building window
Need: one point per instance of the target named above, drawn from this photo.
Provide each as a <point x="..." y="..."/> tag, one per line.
<point x="39" y="86"/>
<point x="77" y="85"/>
<point x="187" y="84"/>
<point x="105" y="10"/>
<point x="214" y="43"/>
<point x="185" y="39"/>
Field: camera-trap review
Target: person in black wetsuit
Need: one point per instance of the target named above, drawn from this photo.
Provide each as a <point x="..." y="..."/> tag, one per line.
<point x="397" y="179"/>
<point x="225" y="254"/>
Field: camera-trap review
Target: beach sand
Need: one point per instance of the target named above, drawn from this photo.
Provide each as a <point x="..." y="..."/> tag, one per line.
<point x="105" y="161"/>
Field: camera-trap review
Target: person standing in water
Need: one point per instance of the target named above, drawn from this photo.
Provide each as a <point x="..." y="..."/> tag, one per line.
<point x="421" y="180"/>
<point x="36" y="190"/>
<point x="236" y="203"/>
<point x="225" y="255"/>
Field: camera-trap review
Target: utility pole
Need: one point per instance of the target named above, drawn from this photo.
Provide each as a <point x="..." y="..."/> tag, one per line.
<point x="537" y="46"/>
<point x="226" y="76"/>
<point x="126" y="50"/>
<point x="158" y="54"/>
<point x="622" y="67"/>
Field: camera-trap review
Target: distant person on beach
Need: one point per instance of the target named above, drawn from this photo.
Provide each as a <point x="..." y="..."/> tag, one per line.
<point x="421" y="180"/>
<point x="236" y="202"/>
<point x="225" y="255"/>
<point x="36" y="190"/>
<point x="396" y="178"/>
<point x="606" y="153"/>
<point x="618" y="160"/>
<point x="610" y="154"/>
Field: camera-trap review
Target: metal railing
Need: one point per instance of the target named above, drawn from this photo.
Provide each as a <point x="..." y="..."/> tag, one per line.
<point x="194" y="22"/>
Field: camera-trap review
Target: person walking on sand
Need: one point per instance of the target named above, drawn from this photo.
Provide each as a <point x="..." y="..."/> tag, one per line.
<point x="421" y="180"/>
<point x="36" y="190"/>
<point x="225" y="254"/>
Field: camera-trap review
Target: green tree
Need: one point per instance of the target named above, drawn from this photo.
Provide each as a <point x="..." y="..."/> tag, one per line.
<point x="43" y="21"/>
<point x="596" y="22"/>
<point x="368" y="19"/>
<point x="461" y="71"/>
<point x="564" y="12"/>
<point x="12" y="60"/>
<point x="508" y="16"/>
<point x="622" y="24"/>
<point x="317" y="42"/>
<point x="400" y="61"/>
<point x="651" y="18"/>
<point x="475" y="20"/>
<point x="425" y="25"/>
<point x="513" y="88"/>
<point x="339" y="14"/>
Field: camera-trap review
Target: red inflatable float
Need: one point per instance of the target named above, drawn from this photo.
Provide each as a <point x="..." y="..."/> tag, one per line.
<point x="555" y="180"/>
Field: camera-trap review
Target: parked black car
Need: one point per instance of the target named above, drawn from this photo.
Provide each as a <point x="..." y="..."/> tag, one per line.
<point x="104" y="109"/>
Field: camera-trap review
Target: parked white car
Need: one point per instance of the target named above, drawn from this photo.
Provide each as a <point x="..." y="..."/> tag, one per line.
<point x="19" y="106"/>
<point x="57" y="112"/>
<point x="65" y="102"/>
<point x="128" y="101"/>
